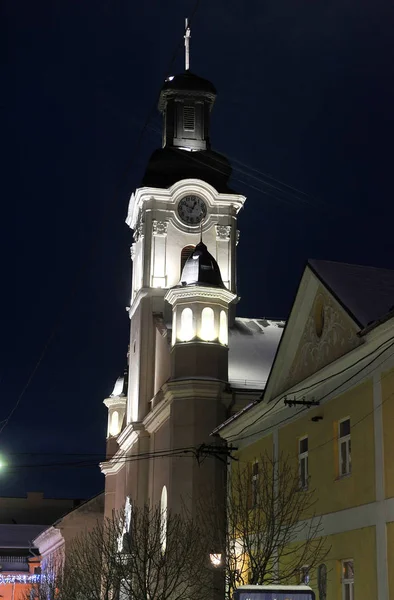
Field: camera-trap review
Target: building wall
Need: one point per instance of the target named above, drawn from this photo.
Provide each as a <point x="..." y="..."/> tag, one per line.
<point x="334" y="492"/>
<point x="387" y="400"/>
<point x="360" y="546"/>
<point x="82" y="520"/>
<point x="357" y="520"/>
<point x="390" y="557"/>
<point x="34" y="509"/>
<point x="17" y="590"/>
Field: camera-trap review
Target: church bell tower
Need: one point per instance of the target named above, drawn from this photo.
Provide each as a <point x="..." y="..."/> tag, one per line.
<point x="184" y="222"/>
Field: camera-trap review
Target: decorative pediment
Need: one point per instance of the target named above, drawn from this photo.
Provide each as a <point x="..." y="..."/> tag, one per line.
<point x="328" y="334"/>
<point x="318" y="332"/>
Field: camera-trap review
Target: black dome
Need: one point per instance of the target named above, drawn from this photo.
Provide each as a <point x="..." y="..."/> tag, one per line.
<point x="190" y="82"/>
<point x="201" y="269"/>
<point x="168" y="165"/>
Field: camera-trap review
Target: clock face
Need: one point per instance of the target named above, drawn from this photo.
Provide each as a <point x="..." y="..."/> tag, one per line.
<point x="192" y="209"/>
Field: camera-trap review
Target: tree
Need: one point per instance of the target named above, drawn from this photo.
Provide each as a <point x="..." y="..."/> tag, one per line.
<point x="272" y="534"/>
<point x="149" y="553"/>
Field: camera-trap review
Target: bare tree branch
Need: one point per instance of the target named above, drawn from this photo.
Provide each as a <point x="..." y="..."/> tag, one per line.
<point x="110" y="564"/>
<point x="272" y="531"/>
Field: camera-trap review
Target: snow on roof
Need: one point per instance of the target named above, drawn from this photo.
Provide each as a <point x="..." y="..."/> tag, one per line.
<point x="366" y="292"/>
<point x="275" y="587"/>
<point x="252" y="348"/>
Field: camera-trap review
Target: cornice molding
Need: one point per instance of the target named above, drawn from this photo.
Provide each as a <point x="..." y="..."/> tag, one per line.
<point x="192" y="388"/>
<point x="113" y="466"/>
<point x="196" y="292"/>
<point x="330" y="381"/>
<point x="156" y="417"/>
<point x="49" y="540"/>
<point x="115" y="402"/>
<point x="129" y="436"/>
<point x="170" y="196"/>
<point x="144" y="293"/>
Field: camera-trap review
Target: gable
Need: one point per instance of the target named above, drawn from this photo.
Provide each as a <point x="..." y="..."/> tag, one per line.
<point x="318" y="332"/>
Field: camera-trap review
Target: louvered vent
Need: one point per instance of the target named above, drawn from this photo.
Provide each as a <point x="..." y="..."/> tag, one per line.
<point x="189" y="118"/>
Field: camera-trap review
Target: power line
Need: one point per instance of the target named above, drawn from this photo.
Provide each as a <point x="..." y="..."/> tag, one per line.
<point x="277" y="425"/>
<point x="212" y="450"/>
<point x="286" y="200"/>
<point x="197" y="452"/>
<point x="316" y="383"/>
<point x="294" y="189"/>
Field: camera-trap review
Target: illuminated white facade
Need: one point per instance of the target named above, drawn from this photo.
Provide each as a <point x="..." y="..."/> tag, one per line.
<point x="160" y="234"/>
<point x="185" y="343"/>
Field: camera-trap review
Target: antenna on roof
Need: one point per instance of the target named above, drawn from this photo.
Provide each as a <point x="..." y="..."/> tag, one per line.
<point x="187" y="45"/>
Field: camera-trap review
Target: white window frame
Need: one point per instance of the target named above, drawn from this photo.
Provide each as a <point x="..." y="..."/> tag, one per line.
<point x="344" y="440"/>
<point x="347" y="582"/>
<point x="303" y="457"/>
<point x="305" y="575"/>
<point x="254" y="482"/>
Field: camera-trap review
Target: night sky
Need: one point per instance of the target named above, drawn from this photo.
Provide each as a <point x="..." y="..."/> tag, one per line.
<point x="305" y="94"/>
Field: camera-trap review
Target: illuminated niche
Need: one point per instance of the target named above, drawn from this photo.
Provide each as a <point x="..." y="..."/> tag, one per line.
<point x="163" y="519"/>
<point x="186" y="332"/>
<point x="223" y="328"/>
<point x="114" y="426"/>
<point x="207" y="331"/>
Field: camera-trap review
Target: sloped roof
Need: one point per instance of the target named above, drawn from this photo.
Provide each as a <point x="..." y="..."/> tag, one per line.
<point x="190" y="82"/>
<point x="252" y="347"/>
<point x="19" y="536"/>
<point x="367" y="293"/>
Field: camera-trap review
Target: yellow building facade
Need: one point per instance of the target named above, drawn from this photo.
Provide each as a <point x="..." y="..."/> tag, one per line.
<point x="335" y="363"/>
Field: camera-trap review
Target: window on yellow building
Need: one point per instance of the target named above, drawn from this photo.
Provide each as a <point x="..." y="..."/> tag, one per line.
<point x="303" y="461"/>
<point x="255" y="483"/>
<point x="347" y="580"/>
<point x="345" y="448"/>
<point x="304" y="576"/>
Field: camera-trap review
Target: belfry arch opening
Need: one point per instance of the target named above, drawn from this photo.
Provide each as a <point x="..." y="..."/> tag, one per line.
<point x="186" y="252"/>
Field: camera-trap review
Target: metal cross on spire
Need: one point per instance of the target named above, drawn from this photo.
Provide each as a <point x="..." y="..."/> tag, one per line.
<point x="187" y="45"/>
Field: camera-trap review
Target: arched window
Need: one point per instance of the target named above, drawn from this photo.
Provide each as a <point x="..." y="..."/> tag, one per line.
<point x="223" y="328"/>
<point x="187" y="327"/>
<point x="163" y="519"/>
<point x="114" y="427"/>
<point x="207" y="324"/>
<point x="186" y="252"/>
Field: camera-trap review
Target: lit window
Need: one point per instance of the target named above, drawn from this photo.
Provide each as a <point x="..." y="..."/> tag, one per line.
<point x="207" y="324"/>
<point x="114" y="429"/>
<point x="303" y="462"/>
<point x="123" y="590"/>
<point x="347" y="580"/>
<point x="223" y="329"/>
<point x="173" y="338"/>
<point x="189" y="118"/>
<point x="163" y="519"/>
<point x="187" y="328"/>
<point x="216" y="559"/>
<point x="345" y="448"/>
<point x="304" y="576"/>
